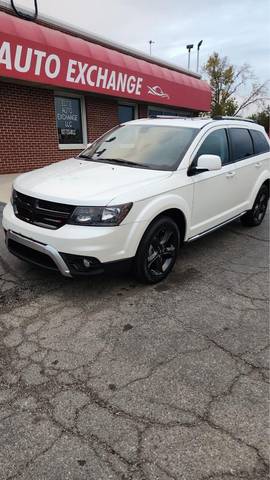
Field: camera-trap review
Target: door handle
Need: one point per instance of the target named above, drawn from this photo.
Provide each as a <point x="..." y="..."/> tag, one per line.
<point x="258" y="164"/>
<point x="230" y="174"/>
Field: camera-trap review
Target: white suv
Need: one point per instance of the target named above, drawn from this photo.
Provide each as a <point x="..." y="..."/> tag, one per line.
<point x="137" y="192"/>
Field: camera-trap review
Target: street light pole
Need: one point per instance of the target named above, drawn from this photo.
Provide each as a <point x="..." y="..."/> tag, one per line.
<point x="189" y="47"/>
<point x="198" y="53"/>
<point x="150" y="46"/>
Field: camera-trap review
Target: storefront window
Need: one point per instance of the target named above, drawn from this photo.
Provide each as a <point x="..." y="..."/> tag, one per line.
<point x="69" y="120"/>
<point x="126" y="113"/>
<point x="153" y="111"/>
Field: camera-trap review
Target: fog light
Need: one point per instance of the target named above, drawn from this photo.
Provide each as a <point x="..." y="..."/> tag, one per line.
<point x="86" y="263"/>
<point x="81" y="264"/>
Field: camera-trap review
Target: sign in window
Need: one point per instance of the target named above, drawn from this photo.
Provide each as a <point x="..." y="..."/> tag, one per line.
<point x="69" y="120"/>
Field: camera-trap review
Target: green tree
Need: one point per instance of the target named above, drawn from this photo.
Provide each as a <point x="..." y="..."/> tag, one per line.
<point x="263" y="118"/>
<point x="228" y="83"/>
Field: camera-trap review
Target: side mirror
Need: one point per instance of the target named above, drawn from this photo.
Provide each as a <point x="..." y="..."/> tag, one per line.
<point x="209" y="162"/>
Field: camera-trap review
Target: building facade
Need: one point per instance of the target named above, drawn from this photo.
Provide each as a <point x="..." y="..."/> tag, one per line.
<point x="61" y="88"/>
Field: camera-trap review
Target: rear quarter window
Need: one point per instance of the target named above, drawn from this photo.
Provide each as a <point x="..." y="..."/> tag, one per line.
<point x="241" y="143"/>
<point x="261" y="145"/>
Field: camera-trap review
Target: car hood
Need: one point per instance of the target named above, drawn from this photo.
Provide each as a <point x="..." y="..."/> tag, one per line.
<point x="80" y="182"/>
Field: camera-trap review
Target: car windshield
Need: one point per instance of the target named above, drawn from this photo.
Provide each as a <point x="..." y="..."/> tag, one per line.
<point x="142" y="146"/>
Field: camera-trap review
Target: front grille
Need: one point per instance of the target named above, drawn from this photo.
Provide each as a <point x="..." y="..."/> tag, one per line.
<point x="42" y="213"/>
<point x="31" y="255"/>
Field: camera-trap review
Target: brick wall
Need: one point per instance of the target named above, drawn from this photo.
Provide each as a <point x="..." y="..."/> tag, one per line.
<point x="143" y="110"/>
<point x="101" y="114"/>
<point x="28" y="135"/>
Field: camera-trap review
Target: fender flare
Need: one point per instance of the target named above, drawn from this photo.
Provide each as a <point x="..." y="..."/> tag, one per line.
<point x="158" y="205"/>
<point x="152" y="210"/>
<point x="260" y="181"/>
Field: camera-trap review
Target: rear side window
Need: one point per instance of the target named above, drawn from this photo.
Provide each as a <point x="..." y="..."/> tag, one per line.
<point x="216" y="144"/>
<point x="241" y="143"/>
<point x="260" y="143"/>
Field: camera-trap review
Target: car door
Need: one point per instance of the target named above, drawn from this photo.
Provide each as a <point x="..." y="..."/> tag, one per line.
<point x="248" y="148"/>
<point x="216" y="198"/>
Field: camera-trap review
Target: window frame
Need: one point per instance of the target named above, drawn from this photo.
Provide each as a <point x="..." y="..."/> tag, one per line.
<point x="202" y="140"/>
<point x="129" y="104"/>
<point x="260" y="153"/>
<point x="73" y="146"/>
<point x="169" y="111"/>
<point x="231" y="147"/>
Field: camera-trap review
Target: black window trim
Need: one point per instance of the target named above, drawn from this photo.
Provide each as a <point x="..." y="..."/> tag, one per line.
<point x="191" y="170"/>
<point x="256" y="154"/>
<point x="229" y="150"/>
<point x="230" y="140"/>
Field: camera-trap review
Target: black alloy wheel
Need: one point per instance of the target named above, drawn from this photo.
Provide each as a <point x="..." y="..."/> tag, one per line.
<point x="255" y="216"/>
<point x="158" y="250"/>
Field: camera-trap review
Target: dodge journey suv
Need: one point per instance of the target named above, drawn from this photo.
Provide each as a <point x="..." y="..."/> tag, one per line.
<point x="137" y="193"/>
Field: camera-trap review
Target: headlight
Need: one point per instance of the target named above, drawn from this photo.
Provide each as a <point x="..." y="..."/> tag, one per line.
<point x="100" y="216"/>
<point x="13" y="199"/>
<point x="12" y="196"/>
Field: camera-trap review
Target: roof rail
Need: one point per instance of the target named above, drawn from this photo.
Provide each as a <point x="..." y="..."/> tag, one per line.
<point x="221" y="117"/>
<point x="179" y="117"/>
<point x="166" y="116"/>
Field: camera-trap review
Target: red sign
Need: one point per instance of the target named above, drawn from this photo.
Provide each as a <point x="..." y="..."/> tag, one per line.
<point x="34" y="53"/>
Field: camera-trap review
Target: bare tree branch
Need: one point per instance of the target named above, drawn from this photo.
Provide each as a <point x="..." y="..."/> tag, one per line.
<point x="227" y="83"/>
<point x="257" y="95"/>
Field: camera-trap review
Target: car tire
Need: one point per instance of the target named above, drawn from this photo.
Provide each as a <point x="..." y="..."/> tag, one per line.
<point x="255" y="216"/>
<point x="157" y="252"/>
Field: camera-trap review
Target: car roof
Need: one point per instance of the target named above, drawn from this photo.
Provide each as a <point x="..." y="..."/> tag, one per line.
<point x="196" y="122"/>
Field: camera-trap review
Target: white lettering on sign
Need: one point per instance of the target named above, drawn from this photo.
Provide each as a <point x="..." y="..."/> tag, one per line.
<point x="131" y="84"/>
<point x="52" y="66"/>
<point x="111" y="81"/>
<point x="102" y="77"/>
<point x="40" y="55"/>
<point x="80" y="77"/>
<point x="5" y="56"/>
<point x="91" y="69"/>
<point x="122" y="81"/>
<point x="40" y="63"/>
<point x="139" y="86"/>
<point x="71" y="70"/>
<point x="18" y="59"/>
<point x="108" y="80"/>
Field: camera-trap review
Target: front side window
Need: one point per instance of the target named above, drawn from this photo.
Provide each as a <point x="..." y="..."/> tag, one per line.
<point x="145" y="146"/>
<point x="241" y="143"/>
<point x="68" y="120"/>
<point x="260" y="143"/>
<point x="216" y="144"/>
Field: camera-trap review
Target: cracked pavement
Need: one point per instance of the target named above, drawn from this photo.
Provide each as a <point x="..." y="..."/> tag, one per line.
<point x="106" y="379"/>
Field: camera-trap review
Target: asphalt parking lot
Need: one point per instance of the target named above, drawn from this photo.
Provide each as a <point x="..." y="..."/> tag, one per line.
<point x="104" y="378"/>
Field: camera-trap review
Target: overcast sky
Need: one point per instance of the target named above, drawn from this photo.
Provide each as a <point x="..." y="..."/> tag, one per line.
<point x="239" y="29"/>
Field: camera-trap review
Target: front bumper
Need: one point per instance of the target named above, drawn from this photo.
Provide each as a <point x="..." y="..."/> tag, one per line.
<point x="48" y="257"/>
<point x="65" y="248"/>
<point x="15" y="242"/>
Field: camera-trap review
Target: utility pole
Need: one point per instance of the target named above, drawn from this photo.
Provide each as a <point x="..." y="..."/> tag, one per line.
<point x="150" y="46"/>
<point x="189" y="47"/>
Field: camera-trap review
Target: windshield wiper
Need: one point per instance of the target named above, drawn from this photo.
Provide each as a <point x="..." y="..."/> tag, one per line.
<point x="118" y="161"/>
<point x="121" y="161"/>
<point x="84" y="156"/>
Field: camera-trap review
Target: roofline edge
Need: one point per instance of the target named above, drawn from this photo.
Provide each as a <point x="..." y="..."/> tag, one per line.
<point x="5" y="6"/>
